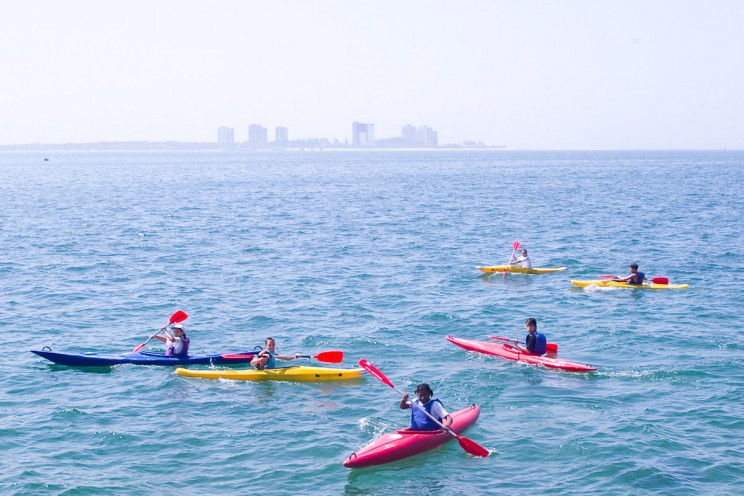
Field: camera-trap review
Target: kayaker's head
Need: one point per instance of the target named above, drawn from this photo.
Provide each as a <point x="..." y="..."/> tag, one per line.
<point x="424" y="392"/>
<point x="524" y="253"/>
<point x="531" y="325"/>
<point x="270" y="344"/>
<point x="179" y="331"/>
<point x="634" y="267"/>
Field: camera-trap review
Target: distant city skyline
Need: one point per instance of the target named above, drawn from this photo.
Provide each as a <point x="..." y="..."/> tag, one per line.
<point x="362" y="136"/>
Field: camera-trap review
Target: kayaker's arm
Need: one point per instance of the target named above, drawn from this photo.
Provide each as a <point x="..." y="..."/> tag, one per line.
<point x="404" y="402"/>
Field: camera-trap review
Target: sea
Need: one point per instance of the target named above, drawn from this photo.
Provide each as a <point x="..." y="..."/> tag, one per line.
<point x="373" y="253"/>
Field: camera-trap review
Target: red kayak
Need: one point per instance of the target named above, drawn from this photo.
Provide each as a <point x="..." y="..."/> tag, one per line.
<point x="509" y="352"/>
<point x="395" y="446"/>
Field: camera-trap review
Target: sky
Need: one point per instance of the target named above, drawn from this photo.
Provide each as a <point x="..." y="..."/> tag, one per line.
<point x="526" y="74"/>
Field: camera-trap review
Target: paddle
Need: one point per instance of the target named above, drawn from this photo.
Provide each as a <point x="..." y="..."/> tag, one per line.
<point x="550" y="347"/>
<point x="655" y="280"/>
<point x="178" y="316"/>
<point x="334" y="356"/>
<point x="468" y="445"/>
<point x="515" y="247"/>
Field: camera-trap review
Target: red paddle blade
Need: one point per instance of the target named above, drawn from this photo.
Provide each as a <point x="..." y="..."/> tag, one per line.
<point x="366" y="365"/>
<point x="334" y="356"/>
<point x="515" y="246"/>
<point x="472" y="447"/>
<point x="608" y="276"/>
<point x="660" y="280"/>
<point x="139" y="347"/>
<point x="178" y="316"/>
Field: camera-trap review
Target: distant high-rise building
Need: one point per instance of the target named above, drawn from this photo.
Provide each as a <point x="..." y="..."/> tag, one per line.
<point x="419" y="136"/>
<point x="362" y="134"/>
<point x="282" y="135"/>
<point x="225" y="136"/>
<point x="257" y="134"/>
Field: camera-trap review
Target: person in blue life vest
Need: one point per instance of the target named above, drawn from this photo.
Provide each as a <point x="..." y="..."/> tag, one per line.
<point x="419" y="420"/>
<point x="635" y="276"/>
<point x="176" y="344"/>
<point x="266" y="358"/>
<point x="524" y="260"/>
<point x="535" y="343"/>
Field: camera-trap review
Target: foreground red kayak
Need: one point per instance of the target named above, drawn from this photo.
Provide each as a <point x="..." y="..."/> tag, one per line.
<point x="395" y="446"/>
<point x="509" y="352"/>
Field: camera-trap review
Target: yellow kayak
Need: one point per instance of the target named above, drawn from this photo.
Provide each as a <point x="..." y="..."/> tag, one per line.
<point x="520" y="270"/>
<point x="300" y="373"/>
<point x="618" y="284"/>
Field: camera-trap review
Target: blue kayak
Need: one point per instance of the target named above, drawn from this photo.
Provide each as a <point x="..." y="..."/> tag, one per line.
<point x="141" y="358"/>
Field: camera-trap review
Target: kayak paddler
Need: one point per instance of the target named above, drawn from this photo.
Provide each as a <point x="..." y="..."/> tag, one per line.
<point x="176" y="344"/>
<point x="535" y="343"/>
<point x="419" y="420"/>
<point x="635" y="277"/>
<point x="266" y="358"/>
<point x="524" y="260"/>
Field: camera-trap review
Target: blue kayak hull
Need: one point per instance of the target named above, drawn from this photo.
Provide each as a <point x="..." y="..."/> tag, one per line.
<point x="141" y="358"/>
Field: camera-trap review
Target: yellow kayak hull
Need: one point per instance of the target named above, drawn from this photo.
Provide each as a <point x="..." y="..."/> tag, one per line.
<point x="617" y="284"/>
<point x="300" y="373"/>
<point x="521" y="270"/>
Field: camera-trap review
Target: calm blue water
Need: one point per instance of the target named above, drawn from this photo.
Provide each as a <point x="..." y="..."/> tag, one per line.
<point x="374" y="254"/>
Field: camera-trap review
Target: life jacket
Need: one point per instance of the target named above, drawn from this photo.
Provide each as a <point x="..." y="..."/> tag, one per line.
<point x="639" y="277"/>
<point x="271" y="364"/>
<point x="184" y="349"/>
<point x="541" y="344"/>
<point x="420" y="421"/>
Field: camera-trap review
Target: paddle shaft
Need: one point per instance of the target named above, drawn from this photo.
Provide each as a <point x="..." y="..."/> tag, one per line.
<point x="551" y="347"/>
<point x="515" y="247"/>
<point x="147" y="341"/>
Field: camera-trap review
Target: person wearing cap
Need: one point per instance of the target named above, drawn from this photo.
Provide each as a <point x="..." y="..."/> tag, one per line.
<point x="419" y="420"/>
<point x="177" y="344"/>
<point x="266" y="358"/>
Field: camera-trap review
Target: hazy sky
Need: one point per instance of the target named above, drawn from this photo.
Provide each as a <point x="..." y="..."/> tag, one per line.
<point x="526" y="74"/>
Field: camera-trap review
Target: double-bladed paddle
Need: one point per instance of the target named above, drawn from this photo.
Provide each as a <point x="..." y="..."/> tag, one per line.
<point x="550" y="347"/>
<point x="178" y="316"/>
<point x="515" y="247"/>
<point x="333" y="356"/>
<point x="468" y="445"/>
<point x="655" y="280"/>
